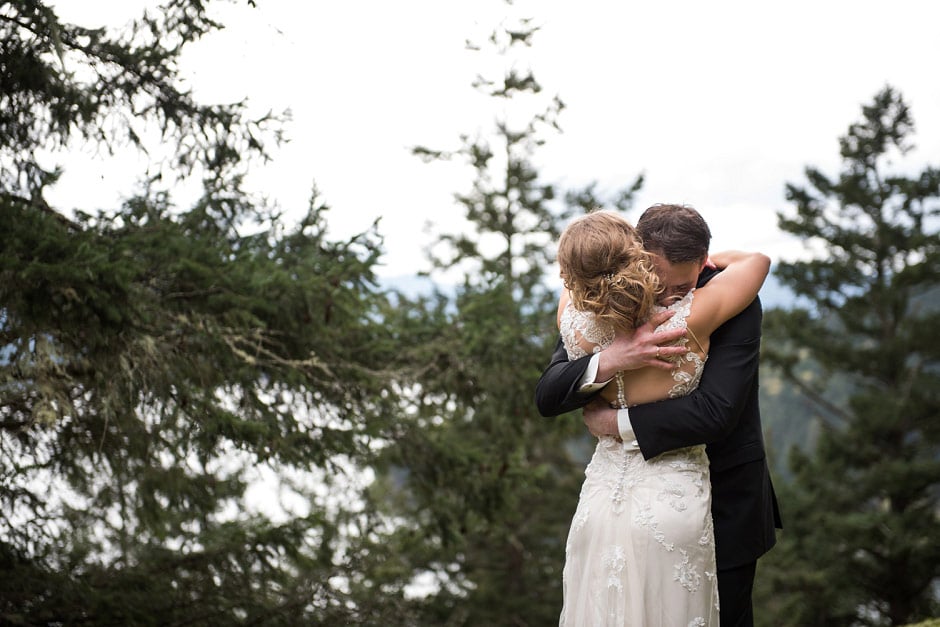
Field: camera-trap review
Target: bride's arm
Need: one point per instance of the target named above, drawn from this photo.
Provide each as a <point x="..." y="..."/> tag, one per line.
<point x="731" y="290"/>
<point x="710" y="413"/>
<point x="587" y="346"/>
<point x="726" y="295"/>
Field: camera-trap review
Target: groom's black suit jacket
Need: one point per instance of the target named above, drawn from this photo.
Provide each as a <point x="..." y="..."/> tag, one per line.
<point x="722" y="413"/>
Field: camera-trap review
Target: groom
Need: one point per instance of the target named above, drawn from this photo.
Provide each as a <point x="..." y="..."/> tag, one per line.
<point x="722" y="413"/>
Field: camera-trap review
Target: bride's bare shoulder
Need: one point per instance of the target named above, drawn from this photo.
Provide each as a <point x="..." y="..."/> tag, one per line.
<point x="562" y="303"/>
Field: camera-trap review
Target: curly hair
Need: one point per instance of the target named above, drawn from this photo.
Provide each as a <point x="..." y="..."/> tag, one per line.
<point x="604" y="266"/>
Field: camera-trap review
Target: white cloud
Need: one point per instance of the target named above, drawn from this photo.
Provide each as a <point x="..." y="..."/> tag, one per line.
<point x="719" y="103"/>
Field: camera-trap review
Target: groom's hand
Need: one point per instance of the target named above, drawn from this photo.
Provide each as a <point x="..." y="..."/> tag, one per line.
<point x="644" y="347"/>
<point x="600" y="418"/>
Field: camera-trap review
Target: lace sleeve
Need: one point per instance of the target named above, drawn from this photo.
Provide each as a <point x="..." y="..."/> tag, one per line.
<point x="581" y="333"/>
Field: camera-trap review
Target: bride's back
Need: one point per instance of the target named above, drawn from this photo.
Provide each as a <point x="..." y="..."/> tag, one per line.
<point x="583" y="333"/>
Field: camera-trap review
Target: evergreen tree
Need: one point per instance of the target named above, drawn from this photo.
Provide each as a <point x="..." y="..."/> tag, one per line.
<point x="862" y="538"/>
<point x="487" y="485"/>
<point x="154" y="361"/>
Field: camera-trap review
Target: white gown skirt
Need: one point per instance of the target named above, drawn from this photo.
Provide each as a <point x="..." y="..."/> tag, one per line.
<point x="641" y="547"/>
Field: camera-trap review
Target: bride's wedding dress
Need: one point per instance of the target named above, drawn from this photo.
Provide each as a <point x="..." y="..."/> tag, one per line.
<point x="641" y="547"/>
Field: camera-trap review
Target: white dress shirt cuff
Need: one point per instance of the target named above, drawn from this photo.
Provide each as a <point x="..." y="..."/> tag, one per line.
<point x="588" y="384"/>
<point x="624" y="425"/>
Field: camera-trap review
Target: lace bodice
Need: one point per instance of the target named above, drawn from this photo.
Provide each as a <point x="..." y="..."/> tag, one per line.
<point x="580" y="331"/>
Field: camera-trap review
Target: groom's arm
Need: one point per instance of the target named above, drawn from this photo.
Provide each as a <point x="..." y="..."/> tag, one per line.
<point x="709" y="413"/>
<point x="712" y="411"/>
<point x="559" y="388"/>
<point x="568" y="385"/>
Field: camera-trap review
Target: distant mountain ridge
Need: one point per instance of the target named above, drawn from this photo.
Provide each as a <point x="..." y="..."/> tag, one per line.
<point x="773" y="294"/>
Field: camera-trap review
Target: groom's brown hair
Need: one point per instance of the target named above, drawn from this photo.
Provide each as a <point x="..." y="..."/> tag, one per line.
<point x="677" y="232"/>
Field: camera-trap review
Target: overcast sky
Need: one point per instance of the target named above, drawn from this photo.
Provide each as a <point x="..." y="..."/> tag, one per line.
<point x="719" y="103"/>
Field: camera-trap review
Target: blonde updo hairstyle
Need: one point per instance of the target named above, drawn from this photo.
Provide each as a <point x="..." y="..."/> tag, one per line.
<point x="606" y="270"/>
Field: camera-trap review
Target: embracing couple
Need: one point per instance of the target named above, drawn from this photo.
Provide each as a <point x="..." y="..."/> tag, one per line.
<point x="659" y="344"/>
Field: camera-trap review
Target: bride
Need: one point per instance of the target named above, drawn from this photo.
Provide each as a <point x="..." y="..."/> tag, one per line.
<point x="641" y="549"/>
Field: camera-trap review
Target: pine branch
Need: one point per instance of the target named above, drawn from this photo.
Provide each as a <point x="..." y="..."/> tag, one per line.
<point x="41" y="205"/>
<point x="838" y="416"/>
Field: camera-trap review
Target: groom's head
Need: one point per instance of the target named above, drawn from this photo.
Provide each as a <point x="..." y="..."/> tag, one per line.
<point x="677" y="237"/>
